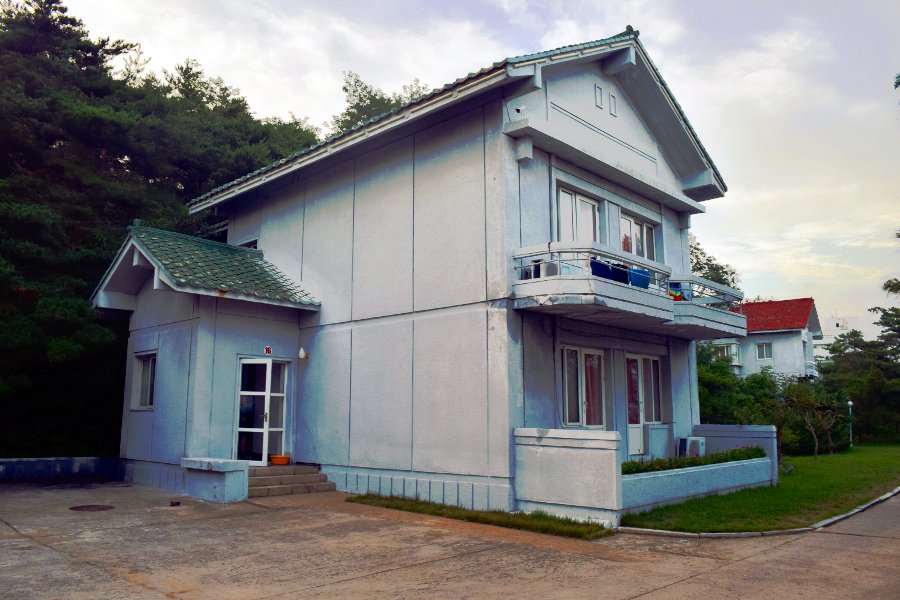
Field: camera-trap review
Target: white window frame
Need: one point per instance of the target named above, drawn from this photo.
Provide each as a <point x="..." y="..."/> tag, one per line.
<point x="582" y="400"/>
<point x="139" y="401"/>
<point x="644" y="226"/>
<point x="731" y="351"/>
<point x="761" y="351"/>
<point x="599" y="213"/>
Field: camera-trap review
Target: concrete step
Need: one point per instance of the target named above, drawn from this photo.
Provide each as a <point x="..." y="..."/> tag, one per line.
<point x="285" y="470"/>
<point x="260" y="480"/>
<point x="283" y="490"/>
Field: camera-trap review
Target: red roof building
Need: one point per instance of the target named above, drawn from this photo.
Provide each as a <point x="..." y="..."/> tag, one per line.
<point x="782" y="315"/>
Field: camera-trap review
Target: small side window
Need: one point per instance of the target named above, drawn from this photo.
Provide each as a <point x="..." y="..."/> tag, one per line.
<point x="147" y="368"/>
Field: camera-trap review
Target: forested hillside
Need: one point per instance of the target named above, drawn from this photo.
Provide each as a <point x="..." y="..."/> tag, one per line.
<point x="84" y="150"/>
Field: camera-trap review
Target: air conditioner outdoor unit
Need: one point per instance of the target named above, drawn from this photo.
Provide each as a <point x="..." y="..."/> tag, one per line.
<point x="696" y="446"/>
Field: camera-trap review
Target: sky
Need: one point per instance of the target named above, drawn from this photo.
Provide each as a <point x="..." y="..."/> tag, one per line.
<point x="794" y="101"/>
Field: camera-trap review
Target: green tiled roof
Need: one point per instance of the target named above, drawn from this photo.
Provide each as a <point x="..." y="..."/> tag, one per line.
<point x="629" y="33"/>
<point x="194" y="262"/>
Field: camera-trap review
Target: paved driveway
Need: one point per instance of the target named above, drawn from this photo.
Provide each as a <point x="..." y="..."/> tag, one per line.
<point x="319" y="546"/>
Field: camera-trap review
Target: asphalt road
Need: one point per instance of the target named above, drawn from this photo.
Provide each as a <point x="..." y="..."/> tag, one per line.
<point x="318" y="546"/>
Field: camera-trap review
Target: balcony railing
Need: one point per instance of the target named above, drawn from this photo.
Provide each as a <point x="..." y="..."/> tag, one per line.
<point x="561" y="259"/>
<point x="690" y="288"/>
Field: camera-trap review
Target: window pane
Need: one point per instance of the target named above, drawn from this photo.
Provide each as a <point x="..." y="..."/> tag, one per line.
<point x="657" y="393"/>
<point x="573" y="408"/>
<point x="634" y="399"/>
<point x="275" y="442"/>
<point x="651" y="243"/>
<point x="638" y="232"/>
<point x="626" y="234"/>
<point x="566" y="230"/>
<point x="250" y="445"/>
<point x="253" y="377"/>
<point x="252" y="411"/>
<point x="587" y="221"/>
<point x="279" y="370"/>
<point x="276" y="412"/>
<point x="148" y="380"/>
<point x="593" y="389"/>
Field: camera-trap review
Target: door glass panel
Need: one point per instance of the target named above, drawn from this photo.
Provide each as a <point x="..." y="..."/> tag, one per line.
<point x="651" y="243"/>
<point x="566" y="231"/>
<point x="593" y="389"/>
<point x="275" y="438"/>
<point x="587" y="221"/>
<point x="647" y="375"/>
<point x="657" y="399"/>
<point x="632" y="374"/>
<point x="250" y="445"/>
<point x="252" y="411"/>
<point x="278" y="373"/>
<point x="573" y="404"/>
<point x="253" y="377"/>
<point x="276" y="411"/>
<point x="626" y="235"/>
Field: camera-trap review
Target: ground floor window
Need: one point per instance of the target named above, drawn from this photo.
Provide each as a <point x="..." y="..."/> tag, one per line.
<point x="583" y="375"/>
<point x="730" y="351"/>
<point x="147" y="370"/>
<point x="764" y="351"/>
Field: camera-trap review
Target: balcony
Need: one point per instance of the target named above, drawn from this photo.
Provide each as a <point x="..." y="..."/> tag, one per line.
<point x="594" y="283"/>
<point x="705" y="310"/>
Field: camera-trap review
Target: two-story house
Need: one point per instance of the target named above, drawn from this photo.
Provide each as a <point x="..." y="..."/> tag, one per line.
<point x="481" y="298"/>
<point x="781" y="336"/>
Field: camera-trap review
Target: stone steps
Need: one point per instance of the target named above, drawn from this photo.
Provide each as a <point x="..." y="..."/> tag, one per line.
<point x="289" y="479"/>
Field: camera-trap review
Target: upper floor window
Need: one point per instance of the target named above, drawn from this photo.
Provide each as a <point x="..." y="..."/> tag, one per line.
<point x="638" y="237"/>
<point x="764" y="351"/>
<point x="579" y="218"/>
<point x="249" y="244"/>
<point x="583" y="374"/>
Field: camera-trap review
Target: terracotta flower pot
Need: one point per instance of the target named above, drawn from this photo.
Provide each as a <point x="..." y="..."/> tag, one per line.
<point x="280" y="459"/>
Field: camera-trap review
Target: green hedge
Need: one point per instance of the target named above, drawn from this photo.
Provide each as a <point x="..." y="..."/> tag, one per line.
<point x="680" y="462"/>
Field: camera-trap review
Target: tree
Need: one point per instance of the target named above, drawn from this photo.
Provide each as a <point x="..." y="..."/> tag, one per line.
<point x="707" y="266"/>
<point x="84" y="151"/>
<point x="892" y="286"/>
<point x="365" y="101"/>
<point x="868" y="373"/>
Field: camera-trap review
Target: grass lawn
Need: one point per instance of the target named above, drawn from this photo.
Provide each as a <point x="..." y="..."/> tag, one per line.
<point x="539" y="522"/>
<point x="815" y="490"/>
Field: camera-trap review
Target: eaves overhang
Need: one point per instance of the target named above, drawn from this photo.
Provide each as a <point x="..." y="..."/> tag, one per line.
<point x="501" y="73"/>
<point x="135" y="264"/>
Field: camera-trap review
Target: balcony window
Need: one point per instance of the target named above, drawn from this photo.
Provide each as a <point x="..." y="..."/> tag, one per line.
<point x="583" y="376"/>
<point x="638" y="237"/>
<point x="730" y="351"/>
<point x="579" y="218"/>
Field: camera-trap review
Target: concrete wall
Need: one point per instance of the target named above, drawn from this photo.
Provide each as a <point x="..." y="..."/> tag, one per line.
<point x="165" y="323"/>
<point x="645" y="491"/>
<point x="571" y="473"/>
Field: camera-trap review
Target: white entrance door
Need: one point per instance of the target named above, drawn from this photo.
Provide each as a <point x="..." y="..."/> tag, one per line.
<point x="261" y="409"/>
<point x="635" y="406"/>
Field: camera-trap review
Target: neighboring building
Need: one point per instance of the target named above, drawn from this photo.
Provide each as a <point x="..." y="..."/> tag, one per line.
<point x="780" y="335"/>
<point x="482" y="298"/>
<point x="832" y="327"/>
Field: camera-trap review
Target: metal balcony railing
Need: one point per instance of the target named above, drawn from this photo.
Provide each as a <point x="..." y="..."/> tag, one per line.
<point x="690" y="288"/>
<point x="561" y="259"/>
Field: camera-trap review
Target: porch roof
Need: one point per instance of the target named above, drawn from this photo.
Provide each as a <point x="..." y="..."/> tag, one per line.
<point x="185" y="263"/>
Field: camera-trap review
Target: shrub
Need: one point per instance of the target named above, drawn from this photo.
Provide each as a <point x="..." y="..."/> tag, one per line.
<point x="680" y="462"/>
